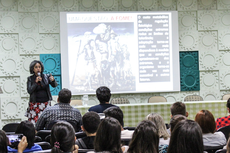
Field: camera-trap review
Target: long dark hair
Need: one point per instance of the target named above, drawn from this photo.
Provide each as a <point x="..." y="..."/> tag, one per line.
<point x="33" y="63"/>
<point x="108" y="137"/>
<point x="27" y="129"/>
<point x="186" y="137"/>
<point x="62" y="137"/>
<point x="3" y="142"/>
<point x="145" y="138"/>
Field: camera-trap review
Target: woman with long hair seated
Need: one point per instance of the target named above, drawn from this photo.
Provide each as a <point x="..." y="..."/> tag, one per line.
<point x="186" y="137"/>
<point x="63" y="138"/>
<point x="145" y="138"/>
<point x="160" y="124"/>
<point x="28" y="130"/>
<point x="208" y="125"/>
<point x="108" y="137"/>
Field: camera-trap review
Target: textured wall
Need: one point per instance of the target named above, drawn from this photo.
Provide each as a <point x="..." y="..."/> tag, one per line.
<point x="29" y="28"/>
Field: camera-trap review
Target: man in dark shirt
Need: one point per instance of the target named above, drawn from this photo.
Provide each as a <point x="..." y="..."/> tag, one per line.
<point x="90" y="121"/>
<point x="103" y="95"/>
<point x="60" y="111"/>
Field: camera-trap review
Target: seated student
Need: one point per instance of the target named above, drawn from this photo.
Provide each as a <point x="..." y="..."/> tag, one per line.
<point x="4" y="143"/>
<point x="117" y="113"/>
<point x="108" y="136"/>
<point x="91" y="121"/>
<point x="145" y="138"/>
<point x="63" y="138"/>
<point x="178" y="108"/>
<point x="207" y="123"/>
<point x="160" y="124"/>
<point x="103" y="95"/>
<point x="28" y="130"/>
<point x="186" y="138"/>
<point x="228" y="146"/>
<point x="224" y="121"/>
<point x="176" y="119"/>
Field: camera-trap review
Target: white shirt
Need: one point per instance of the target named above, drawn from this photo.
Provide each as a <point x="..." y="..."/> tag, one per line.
<point x="214" y="139"/>
<point x="127" y="134"/>
<point x="164" y="142"/>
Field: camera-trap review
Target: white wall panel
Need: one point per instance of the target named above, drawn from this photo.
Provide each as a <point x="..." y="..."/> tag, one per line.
<point x="187" y="21"/>
<point x="208" y="60"/>
<point x="9" y="44"/>
<point x="68" y="5"/>
<point x="28" y="5"/>
<point x="188" y="41"/>
<point x="208" y="20"/>
<point x="9" y="22"/>
<point x="48" y="5"/>
<point x="29" y="43"/>
<point x="107" y="5"/>
<point x="9" y="65"/>
<point x="9" y="5"/>
<point x="186" y="5"/>
<point x="207" y="4"/>
<point x="49" y="22"/>
<point x="89" y="5"/>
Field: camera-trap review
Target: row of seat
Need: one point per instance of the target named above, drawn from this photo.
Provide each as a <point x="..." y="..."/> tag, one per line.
<point x="153" y="99"/>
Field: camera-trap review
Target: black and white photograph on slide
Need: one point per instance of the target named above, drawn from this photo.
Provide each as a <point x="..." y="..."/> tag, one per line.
<point x="102" y="56"/>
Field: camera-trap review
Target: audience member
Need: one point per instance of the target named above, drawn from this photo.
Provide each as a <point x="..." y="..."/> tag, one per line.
<point x="4" y="142"/>
<point x="60" y="111"/>
<point x="228" y="146"/>
<point x="117" y="113"/>
<point x="178" y="108"/>
<point x="145" y="138"/>
<point x="224" y="121"/>
<point x="162" y="131"/>
<point x="63" y="138"/>
<point x="103" y="95"/>
<point x="27" y="129"/>
<point x="90" y="123"/>
<point x="186" y="138"/>
<point x="176" y="119"/>
<point x="207" y="123"/>
<point x="108" y="136"/>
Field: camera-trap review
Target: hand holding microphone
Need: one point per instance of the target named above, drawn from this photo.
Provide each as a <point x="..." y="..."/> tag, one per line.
<point x="38" y="78"/>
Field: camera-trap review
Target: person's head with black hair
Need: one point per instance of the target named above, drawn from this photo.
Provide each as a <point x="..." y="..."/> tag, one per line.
<point x="108" y="137"/>
<point x="186" y="137"/>
<point x="176" y="119"/>
<point x="228" y="105"/>
<point x="103" y="94"/>
<point x="64" y="96"/>
<point x="3" y="142"/>
<point x="63" y="138"/>
<point x="178" y="108"/>
<point x="36" y="66"/>
<point x="90" y="122"/>
<point x="27" y="129"/>
<point x="145" y="138"/>
<point x="116" y="113"/>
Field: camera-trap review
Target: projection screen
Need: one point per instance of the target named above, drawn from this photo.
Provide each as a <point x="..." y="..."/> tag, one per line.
<point x="129" y="52"/>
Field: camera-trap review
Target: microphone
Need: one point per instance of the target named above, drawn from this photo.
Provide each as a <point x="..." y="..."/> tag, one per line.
<point x="39" y="74"/>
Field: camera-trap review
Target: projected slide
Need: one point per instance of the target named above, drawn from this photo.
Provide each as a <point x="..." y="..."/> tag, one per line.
<point x="128" y="52"/>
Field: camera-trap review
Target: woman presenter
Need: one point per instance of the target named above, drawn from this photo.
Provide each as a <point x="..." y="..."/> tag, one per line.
<point x="39" y="90"/>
